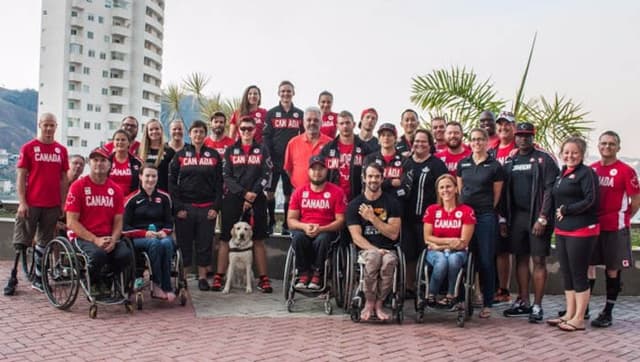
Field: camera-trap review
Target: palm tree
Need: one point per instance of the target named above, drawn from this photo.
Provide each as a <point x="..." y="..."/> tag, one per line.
<point x="459" y="95"/>
<point x="171" y="97"/>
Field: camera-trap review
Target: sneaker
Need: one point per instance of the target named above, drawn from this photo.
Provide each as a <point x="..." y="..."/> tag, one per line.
<point x="561" y="313"/>
<point x="203" y="285"/>
<point x="302" y="281"/>
<point x="315" y="281"/>
<point x="502" y="296"/>
<point x="36" y="284"/>
<point x="603" y="320"/>
<point x="216" y="284"/>
<point x="285" y="232"/>
<point x="536" y="314"/>
<point x="264" y="284"/>
<point x="517" y="309"/>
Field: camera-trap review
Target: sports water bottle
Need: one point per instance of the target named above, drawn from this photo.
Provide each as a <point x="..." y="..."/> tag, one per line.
<point x="152" y="228"/>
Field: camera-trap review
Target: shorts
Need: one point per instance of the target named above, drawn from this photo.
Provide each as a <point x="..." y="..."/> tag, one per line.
<point x="503" y="244"/>
<point x="412" y="242"/>
<point x="613" y="249"/>
<point x="40" y="223"/>
<point x="232" y="211"/>
<point x="278" y="172"/>
<point x="522" y="241"/>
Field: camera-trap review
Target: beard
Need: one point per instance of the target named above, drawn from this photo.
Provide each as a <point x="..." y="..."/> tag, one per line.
<point x="319" y="182"/>
<point x="454" y="143"/>
<point x="374" y="187"/>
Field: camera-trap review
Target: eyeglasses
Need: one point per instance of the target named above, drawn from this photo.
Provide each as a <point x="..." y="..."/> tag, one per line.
<point x="246" y="129"/>
<point x="130" y="125"/>
<point x="479" y="139"/>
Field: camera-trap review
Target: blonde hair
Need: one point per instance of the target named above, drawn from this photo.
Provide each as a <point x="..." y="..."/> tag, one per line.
<point x="447" y="176"/>
<point x="145" y="145"/>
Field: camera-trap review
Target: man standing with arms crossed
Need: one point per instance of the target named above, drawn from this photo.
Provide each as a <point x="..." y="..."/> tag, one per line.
<point x="42" y="186"/>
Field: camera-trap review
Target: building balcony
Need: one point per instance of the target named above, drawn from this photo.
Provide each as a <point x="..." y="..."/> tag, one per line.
<point x="155" y="7"/>
<point x="75" y="94"/>
<point x="124" y="30"/>
<point x="151" y="104"/>
<point x="119" y="64"/>
<point x="120" y="47"/>
<point x="76" y="58"/>
<point x="119" y="82"/>
<point x="153" y="55"/>
<point x="152" y="71"/>
<point x="75" y="131"/>
<point x="75" y="113"/>
<point x="122" y="13"/>
<point x="121" y="100"/>
<point x="76" y="76"/>
<point x="153" y="38"/>
<point x="77" y="20"/>
<point x="78" y="39"/>
<point x="154" y="22"/>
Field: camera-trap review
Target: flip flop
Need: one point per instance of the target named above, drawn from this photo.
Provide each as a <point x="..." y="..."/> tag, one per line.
<point x="555" y="322"/>
<point x="485" y="313"/>
<point x="568" y="327"/>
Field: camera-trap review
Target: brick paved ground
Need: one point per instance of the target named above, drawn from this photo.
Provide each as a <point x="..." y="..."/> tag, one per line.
<point x="257" y="327"/>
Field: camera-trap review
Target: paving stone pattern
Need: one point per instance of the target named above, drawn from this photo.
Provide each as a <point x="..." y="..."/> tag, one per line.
<point x="257" y="327"/>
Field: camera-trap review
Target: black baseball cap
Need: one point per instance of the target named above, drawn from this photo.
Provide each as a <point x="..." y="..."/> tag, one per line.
<point x="525" y="128"/>
<point x="388" y="127"/>
<point x="317" y="160"/>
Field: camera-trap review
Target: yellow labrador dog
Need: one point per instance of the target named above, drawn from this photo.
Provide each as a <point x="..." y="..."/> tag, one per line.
<point x="240" y="257"/>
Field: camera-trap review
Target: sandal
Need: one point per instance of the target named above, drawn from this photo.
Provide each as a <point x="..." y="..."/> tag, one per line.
<point x="445" y="302"/>
<point x="568" y="327"/>
<point x="485" y="313"/>
<point x="431" y="300"/>
<point x="556" y="321"/>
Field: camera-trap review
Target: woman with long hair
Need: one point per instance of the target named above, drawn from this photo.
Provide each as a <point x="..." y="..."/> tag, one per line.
<point x="249" y="107"/>
<point x="124" y="165"/>
<point x="154" y="151"/>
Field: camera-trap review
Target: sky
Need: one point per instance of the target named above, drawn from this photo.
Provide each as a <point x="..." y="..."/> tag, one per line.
<point x="366" y="52"/>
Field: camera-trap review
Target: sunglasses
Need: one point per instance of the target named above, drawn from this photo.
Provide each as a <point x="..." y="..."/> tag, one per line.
<point x="246" y="129"/>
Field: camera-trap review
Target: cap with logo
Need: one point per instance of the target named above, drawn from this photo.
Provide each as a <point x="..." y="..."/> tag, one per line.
<point x="506" y="116"/>
<point x="99" y="152"/>
<point x="317" y="160"/>
<point x="525" y="128"/>
<point x="388" y="127"/>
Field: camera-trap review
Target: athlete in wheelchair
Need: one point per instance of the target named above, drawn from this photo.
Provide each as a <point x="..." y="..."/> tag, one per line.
<point x="148" y="221"/>
<point x="315" y="217"/>
<point x="98" y="261"/>
<point x="448" y="229"/>
<point x="374" y="222"/>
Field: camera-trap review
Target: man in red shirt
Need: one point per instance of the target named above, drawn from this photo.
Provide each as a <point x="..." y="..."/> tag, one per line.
<point x="329" y="118"/>
<point x="218" y="140"/>
<point x="41" y="185"/>
<point x="303" y="146"/>
<point x="94" y="216"/>
<point x="619" y="201"/>
<point x="316" y="214"/>
<point x="438" y="126"/>
<point x="130" y="125"/>
<point x="455" y="150"/>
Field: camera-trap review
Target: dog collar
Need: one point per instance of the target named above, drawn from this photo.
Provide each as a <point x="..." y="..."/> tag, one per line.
<point x="237" y="250"/>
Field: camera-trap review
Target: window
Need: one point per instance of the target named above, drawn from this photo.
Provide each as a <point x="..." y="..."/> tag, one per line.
<point x="85" y="88"/>
<point x="105" y="91"/>
<point x="105" y="74"/>
<point x="44" y="12"/>
<point x="97" y="126"/>
<point x="86" y="70"/>
<point x="101" y="19"/>
<point x="92" y="53"/>
<point x="72" y="68"/>
<point x="90" y="17"/>
<point x="107" y="38"/>
<point x="83" y="143"/>
<point x="70" y="142"/>
<point x="87" y="125"/>
<point x="107" y="4"/>
<point x="72" y="105"/>
<point x="74" y="31"/>
<point x="69" y="123"/>
<point x="90" y="34"/>
<point x="75" y="48"/>
<point x="98" y="108"/>
<point x="74" y="14"/>
<point x="90" y="109"/>
<point x="72" y="86"/>
<point x="103" y="55"/>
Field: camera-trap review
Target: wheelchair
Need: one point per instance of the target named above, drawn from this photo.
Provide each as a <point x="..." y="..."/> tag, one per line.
<point x="178" y="277"/>
<point x="465" y="287"/>
<point x="65" y="272"/>
<point x="331" y="284"/>
<point x="354" y="277"/>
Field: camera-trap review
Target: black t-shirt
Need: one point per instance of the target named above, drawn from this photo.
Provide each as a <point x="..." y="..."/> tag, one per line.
<point x="373" y="144"/>
<point x="385" y="207"/>
<point x="521" y="181"/>
<point x="477" y="182"/>
<point x="423" y="192"/>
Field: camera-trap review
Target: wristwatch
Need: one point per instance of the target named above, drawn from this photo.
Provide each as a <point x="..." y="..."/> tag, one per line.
<point x="542" y="221"/>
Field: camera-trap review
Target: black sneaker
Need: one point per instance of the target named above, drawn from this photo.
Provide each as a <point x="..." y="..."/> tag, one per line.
<point x="285" y="232"/>
<point x="36" y="284"/>
<point x="603" y="320"/>
<point x="586" y="313"/>
<point x="517" y="309"/>
<point x="203" y="285"/>
<point x="536" y="314"/>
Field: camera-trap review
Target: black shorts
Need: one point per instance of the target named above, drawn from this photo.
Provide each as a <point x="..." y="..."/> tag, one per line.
<point x="613" y="250"/>
<point x="412" y="242"/>
<point x="522" y="241"/>
<point x="278" y="172"/>
<point x="503" y="244"/>
<point x="232" y="211"/>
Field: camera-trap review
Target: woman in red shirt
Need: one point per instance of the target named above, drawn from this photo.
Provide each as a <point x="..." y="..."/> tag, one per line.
<point x="448" y="228"/>
<point x="125" y="167"/>
<point x="249" y="106"/>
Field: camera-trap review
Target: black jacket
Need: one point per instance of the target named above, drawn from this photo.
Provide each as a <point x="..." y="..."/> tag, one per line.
<point x="397" y="168"/>
<point x="196" y="178"/>
<point x="332" y="155"/>
<point x="545" y="171"/>
<point x="423" y="192"/>
<point x="244" y="173"/>
<point x="279" y="128"/>
<point x="141" y="210"/>
<point x="403" y="145"/>
<point x="577" y="194"/>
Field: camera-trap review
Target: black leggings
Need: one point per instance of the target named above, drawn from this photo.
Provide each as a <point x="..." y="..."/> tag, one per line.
<point x="574" y="254"/>
<point x="196" y="228"/>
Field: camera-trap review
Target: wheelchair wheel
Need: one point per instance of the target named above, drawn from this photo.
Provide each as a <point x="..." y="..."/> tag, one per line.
<point x="28" y="257"/>
<point x="139" y="300"/>
<point x="129" y="273"/>
<point x="93" y="311"/>
<point x="328" y="308"/>
<point x="128" y="306"/>
<point x="60" y="276"/>
<point x="350" y="277"/>
<point x="422" y="285"/>
<point x="182" y="294"/>
<point x="289" y="275"/>
<point x="469" y="288"/>
<point x="180" y="279"/>
<point x="338" y="275"/>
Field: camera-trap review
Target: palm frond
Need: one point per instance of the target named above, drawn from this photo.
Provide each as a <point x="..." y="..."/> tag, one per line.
<point x="195" y="84"/>
<point x="171" y="97"/>
<point x="520" y="92"/>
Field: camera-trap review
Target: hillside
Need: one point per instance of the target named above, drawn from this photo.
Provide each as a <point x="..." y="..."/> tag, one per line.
<point x="17" y="125"/>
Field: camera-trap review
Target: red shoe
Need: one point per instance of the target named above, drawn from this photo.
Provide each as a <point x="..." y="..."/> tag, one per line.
<point x="216" y="285"/>
<point x="264" y="284"/>
<point x="303" y="280"/>
<point x="316" y="280"/>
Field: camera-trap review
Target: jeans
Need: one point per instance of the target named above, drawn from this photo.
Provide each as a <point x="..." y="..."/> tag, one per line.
<point x="445" y="265"/>
<point x="119" y="258"/>
<point x="484" y="245"/>
<point x="160" y="253"/>
<point x="311" y="252"/>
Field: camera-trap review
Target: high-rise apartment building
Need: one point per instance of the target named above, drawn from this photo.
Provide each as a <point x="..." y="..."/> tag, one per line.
<point x="100" y="60"/>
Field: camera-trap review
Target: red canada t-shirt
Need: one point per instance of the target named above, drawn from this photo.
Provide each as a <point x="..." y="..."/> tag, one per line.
<point x="329" y="124"/>
<point x="618" y="182"/>
<point x="318" y="207"/>
<point x="494" y="141"/>
<point x="45" y="163"/>
<point x="96" y="204"/>
<point x="344" y="166"/>
<point x="221" y="145"/>
<point x="121" y="175"/>
<point x="259" y="115"/>
<point x="451" y="160"/>
<point x="503" y="152"/>
<point x="448" y="224"/>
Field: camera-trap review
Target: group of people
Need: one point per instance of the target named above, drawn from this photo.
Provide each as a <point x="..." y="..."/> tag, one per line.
<point x="497" y="195"/>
